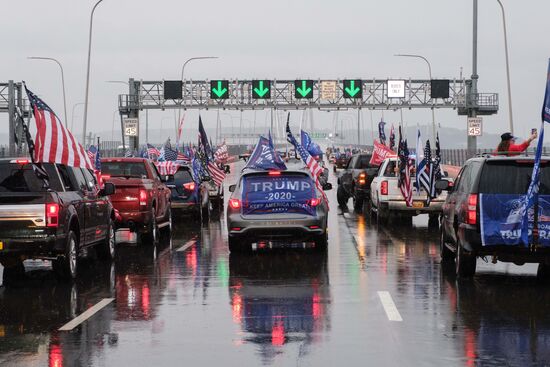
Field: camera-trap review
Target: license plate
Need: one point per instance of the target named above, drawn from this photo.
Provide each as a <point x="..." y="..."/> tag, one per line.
<point x="1" y="245"/>
<point x="418" y="204"/>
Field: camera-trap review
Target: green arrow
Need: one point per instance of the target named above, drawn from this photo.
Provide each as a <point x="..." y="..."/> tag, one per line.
<point x="352" y="89"/>
<point x="261" y="91"/>
<point x="219" y="91"/>
<point x="304" y="91"/>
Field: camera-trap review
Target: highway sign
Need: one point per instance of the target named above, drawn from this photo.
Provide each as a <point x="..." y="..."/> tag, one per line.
<point x="130" y="126"/>
<point x="328" y="89"/>
<point x="303" y="89"/>
<point x="219" y="89"/>
<point x="318" y="135"/>
<point x="261" y="89"/>
<point x="353" y="88"/>
<point x="396" y="89"/>
<point x="475" y="126"/>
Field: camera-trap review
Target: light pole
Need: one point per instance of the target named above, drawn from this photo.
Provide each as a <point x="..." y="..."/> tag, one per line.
<point x="430" y="73"/>
<point x="88" y="73"/>
<point x="183" y="70"/>
<point x="507" y="68"/>
<point x="72" y="116"/>
<point x="62" y="80"/>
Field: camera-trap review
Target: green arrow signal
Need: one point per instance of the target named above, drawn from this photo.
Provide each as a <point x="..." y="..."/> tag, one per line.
<point x="261" y="91"/>
<point x="220" y="91"/>
<point x="304" y="90"/>
<point x="352" y="90"/>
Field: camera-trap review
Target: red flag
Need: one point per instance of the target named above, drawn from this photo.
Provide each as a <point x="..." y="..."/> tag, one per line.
<point x="380" y="153"/>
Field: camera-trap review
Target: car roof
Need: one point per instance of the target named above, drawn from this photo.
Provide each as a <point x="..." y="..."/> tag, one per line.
<point x="123" y="159"/>
<point x="504" y="158"/>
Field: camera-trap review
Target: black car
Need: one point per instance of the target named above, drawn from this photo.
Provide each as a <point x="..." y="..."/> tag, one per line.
<point x="60" y="222"/>
<point x="354" y="182"/>
<point x="482" y="215"/>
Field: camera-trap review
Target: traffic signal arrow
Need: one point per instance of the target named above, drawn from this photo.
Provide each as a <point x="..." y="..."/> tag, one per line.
<point x="261" y="91"/>
<point x="220" y="90"/>
<point x="352" y="90"/>
<point x="304" y="90"/>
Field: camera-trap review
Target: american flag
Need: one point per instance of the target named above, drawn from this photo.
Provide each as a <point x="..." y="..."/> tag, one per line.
<point x="170" y="154"/>
<point x="92" y="150"/>
<point x="424" y="172"/>
<point x="54" y="143"/>
<point x="95" y="157"/>
<point x="217" y="174"/>
<point x="310" y="162"/>
<point x="152" y="151"/>
<point x="183" y="157"/>
<point x="167" y="168"/>
<point x="405" y="168"/>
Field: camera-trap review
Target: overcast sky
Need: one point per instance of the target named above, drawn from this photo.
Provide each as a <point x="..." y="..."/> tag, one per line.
<point x="279" y="39"/>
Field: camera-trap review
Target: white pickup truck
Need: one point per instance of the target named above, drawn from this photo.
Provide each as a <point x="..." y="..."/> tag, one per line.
<point x="387" y="200"/>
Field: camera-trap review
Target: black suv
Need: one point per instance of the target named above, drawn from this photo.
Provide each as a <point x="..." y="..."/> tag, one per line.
<point x="58" y="223"/>
<point x="482" y="214"/>
<point x="355" y="181"/>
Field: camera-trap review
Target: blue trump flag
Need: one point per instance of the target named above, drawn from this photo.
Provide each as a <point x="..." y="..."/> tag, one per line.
<point x="264" y="157"/>
<point x="312" y="147"/>
<point x="382" y="132"/>
<point x="532" y="196"/>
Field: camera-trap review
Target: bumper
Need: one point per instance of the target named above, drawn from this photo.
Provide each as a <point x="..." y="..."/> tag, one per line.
<point x="134" y="220"/>
<point x="277" y="229"/>
<point x="400" y="206"/>
<point x="184" y="206"/>
<point x="38" y="247"/>
<point x="362" y="193"/>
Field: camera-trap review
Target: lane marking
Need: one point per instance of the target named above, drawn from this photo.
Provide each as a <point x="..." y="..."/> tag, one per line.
<point x="86" y="314"/>
<point x="389" y="306"/>
<point x="186" y="246"/>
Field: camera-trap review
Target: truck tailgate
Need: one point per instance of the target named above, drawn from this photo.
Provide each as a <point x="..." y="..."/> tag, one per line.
<point x="126" y="197"/>
<point x="22" y="214"/>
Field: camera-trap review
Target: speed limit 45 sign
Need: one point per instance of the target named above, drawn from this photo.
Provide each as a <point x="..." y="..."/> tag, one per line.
<point x="475" y="126"/>
<point x="130" y="127"/>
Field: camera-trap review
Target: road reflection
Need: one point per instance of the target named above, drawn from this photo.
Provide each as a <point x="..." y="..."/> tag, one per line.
<point x="280" y="298"/>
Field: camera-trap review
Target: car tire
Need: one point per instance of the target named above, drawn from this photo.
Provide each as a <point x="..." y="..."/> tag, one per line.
<point x="447" y="256"/>
<point x="152" y="235"/>
<point x="66" y="267"/>
<point x="342" y="197"/>
<point x="238" y="245"/>
<point x="543" y="273"/>
<point x="206" y="212"/>
<point x="383" y="215"/>
<point x="358" y="205"/>
<point x="465" y="263"/>
<point x="433" y="221"/>
<point x="168" y="217"/>
<point x="321" y="242"/>
<point x="106" y="249"/>
<point x="13" y="273"/>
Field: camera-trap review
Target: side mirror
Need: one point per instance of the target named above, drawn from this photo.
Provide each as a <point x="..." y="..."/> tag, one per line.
<point x="227" y="169"/>
<point x="108" y="189"/>
<point x="442" y="185"/>
<point x="232" y="188"/>
<point x="327" y="186"/>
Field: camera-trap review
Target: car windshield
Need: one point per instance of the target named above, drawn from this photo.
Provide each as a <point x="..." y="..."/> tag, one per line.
<point x="183" y="176"/>
<point x="512" y="177"/>
<point x="124" y="169"/>
<point x="16" y="177"/>
<point x="363" y="162"/>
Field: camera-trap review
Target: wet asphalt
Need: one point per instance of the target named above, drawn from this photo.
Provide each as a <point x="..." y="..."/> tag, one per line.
<point x="377" y="297"/>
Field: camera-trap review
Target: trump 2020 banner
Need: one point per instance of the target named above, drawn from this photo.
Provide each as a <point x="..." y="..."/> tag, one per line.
<point x="379" y="153"/>
<point x="502" y="216"/>
<point x="278" y="194"/>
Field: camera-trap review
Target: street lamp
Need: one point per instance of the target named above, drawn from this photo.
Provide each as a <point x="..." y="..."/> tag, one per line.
<point x="430" y="73"/>
<point x="72" y="116"/>
<point x="62" y="80"/>
<point x="88" y="73"/>
<point x="507" y="68"/>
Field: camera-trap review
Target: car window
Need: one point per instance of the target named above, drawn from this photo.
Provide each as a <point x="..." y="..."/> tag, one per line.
<point x="351" y="162"/>
<point x="90" y="179"/>
<point x="362" y="162"/>
<point x="64" y="174"/>
<point x="155" y="171"/>
<point x="124" y="169"/>
<point x="78" y="179"/>
<point x="389" y="170"/>
<point x="183" y="176"/>
<point x="15" y="177"/>
<point x="511" y="177"/>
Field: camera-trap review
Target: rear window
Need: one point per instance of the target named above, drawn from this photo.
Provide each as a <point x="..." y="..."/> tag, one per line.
<point x="363" y="161"/>
<point x="21" y="178"/>
<point x="183" y="176"/>
<point x="511" y="177"/>
<point x="124" y="169"/>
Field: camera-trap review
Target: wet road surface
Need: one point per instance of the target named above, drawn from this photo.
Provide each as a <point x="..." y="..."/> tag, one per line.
<point x="377" y="297"/>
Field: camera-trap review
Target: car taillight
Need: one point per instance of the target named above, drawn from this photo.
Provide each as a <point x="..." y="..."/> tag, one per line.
<point x="235" y="203"/>
<point x="190" y="186"/>
<point x="362" y="178"/>
<point x="472" y="209"/>
<point x="52" y="215"/>
<point x="384" y="188"/>
<point x="314" y="202"/>
<point x="274" y="173"/>
<point x="142" y="197"/>
<point x="105" y="177"/>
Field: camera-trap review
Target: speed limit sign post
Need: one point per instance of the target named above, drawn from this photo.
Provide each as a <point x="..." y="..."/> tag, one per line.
<point x="475" y="126"/>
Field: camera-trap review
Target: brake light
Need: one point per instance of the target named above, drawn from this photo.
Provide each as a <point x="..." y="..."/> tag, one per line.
<point x="235" y="203"/>
<point x="362" y="178"/>
<point x="472" y="209"/>
<point x="105" y="177"/>
<point x="274" y="173"/>
<point x="190" y="186"/>
<point x="143" y="197"/>
<point x="22" y="161"/>
<point x="52" y="215"/>
<point x="314" y="202"/>
<point x="384" y="188"/>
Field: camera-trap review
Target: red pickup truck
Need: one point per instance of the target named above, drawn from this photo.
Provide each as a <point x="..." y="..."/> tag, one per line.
<point x="141" y="199"/>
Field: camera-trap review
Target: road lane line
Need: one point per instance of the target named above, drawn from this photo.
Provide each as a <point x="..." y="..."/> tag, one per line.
<point x="86" y="314"/>
<point x="186" y="246"/>
<point x="389" y="306"/>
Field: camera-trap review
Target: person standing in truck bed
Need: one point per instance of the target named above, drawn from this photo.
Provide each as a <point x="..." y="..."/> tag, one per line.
<point x="507" y="146"/>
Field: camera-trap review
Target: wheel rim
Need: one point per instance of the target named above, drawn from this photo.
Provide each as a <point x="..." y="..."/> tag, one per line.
<point x="458" y="258"/>
<point x="154" y="228"/>
<point x="111" y="241"/>
<point x="72" y="256"/>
